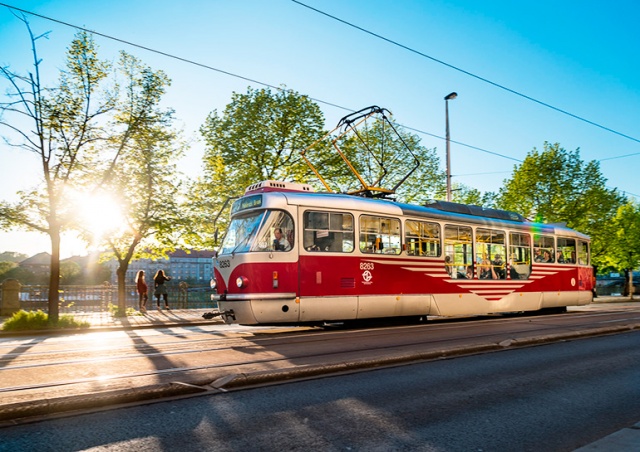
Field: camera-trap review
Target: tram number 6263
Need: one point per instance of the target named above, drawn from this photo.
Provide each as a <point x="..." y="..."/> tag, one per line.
<point x="366" y="265"/>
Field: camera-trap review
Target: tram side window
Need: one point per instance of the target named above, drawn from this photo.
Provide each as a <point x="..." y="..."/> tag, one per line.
<point x="458" y="251"/>
<point x="422" y="238"/>
<point x="583" y="253"/>
<point x="380" y="235"/>
<point x="519" y="255"/>
<point x="543" y="249"/>
<point x="490" y="254"/>
<point x="566" y="253"/>
<point x="328" y="232"/>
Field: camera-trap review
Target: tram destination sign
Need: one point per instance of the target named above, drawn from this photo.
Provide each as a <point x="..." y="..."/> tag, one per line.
<point x="249" y="202"/>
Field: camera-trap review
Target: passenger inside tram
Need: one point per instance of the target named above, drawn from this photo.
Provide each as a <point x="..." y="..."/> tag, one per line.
<point x="498" y="267"/>
<point x="448" y="265"/>
<point x="537" y="255"/>
<point x="486" y="270"/>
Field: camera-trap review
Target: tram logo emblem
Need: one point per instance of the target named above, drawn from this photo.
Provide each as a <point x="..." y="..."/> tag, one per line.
<point x="367" y="276"/>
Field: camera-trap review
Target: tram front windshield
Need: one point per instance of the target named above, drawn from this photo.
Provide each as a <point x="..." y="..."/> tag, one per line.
<point x="257" y="231"/>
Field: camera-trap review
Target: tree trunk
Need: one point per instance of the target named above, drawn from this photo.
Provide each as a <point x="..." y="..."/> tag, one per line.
<point x="122" y="288"/>
<point x="54" y="278"/>
<point x="630" y="283"/>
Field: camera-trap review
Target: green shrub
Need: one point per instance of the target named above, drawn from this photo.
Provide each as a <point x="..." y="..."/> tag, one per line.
<point x="117" y="312"/>
<point x="38" y="320"/>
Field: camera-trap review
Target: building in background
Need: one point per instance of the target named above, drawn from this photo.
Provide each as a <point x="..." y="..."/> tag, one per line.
<point x="193" y="267"/>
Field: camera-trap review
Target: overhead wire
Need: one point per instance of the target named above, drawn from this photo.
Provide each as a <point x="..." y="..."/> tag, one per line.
<point x="251" y="80"/>
<point x="231" y="74"/>
<point x="470" y="74"/>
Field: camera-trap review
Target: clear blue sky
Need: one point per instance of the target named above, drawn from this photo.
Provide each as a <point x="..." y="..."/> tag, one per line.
<point x="579" y="56"/>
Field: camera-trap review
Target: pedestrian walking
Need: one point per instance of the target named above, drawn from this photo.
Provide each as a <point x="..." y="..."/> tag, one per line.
<point x="161" y="290"/>
<point x="143" y="291"/>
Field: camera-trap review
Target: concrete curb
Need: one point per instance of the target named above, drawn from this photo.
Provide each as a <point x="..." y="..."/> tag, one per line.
<point x="22" y="411"/>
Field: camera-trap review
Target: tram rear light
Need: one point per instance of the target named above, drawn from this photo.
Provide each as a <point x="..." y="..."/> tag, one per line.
<point x="242" y="281"/>
<point x="275" y="280"/>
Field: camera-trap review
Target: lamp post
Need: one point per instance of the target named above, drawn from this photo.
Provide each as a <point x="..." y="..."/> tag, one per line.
<point x="447" y="98"/>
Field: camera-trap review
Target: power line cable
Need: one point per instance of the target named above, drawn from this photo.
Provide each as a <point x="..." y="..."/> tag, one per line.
<point x="497" y="85"/>
<point x="231" y="74"/>
<point x="620" y="156"/>
<point x="205" y="66"/>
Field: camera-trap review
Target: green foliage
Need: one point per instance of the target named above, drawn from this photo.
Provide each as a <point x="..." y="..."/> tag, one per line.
<point x="69" y="271"/>
<point x="117" y="311"/>
<point x="38" y="320"/>
<point x="464" y="194"/>
<point x="26" y="276"/>
<point x="12" y="256"/>
<point x="556" y="186"/>
<point x="624" y="254"/>
<point x="5" y="267"/>
<point x="258" y="137"/>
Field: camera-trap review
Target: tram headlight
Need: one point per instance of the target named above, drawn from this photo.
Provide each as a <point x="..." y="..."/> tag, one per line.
<point x="241" y="282"/>
<point x="213" y="284"/>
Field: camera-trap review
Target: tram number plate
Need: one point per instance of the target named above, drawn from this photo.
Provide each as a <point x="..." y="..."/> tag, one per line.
<point x="225" y="264"/>
<point x="366" y="265"/>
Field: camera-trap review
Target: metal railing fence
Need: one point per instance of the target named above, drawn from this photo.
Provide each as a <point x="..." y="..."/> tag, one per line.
<point x="97" y="298"/>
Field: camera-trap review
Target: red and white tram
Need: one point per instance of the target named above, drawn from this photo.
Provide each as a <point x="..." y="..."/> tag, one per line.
<point x="292" y="256"/>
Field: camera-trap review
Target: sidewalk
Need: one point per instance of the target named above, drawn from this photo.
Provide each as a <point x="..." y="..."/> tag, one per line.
<point x="103" y="320"/>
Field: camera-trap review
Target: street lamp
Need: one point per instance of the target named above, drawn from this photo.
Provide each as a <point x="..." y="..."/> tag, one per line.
<point x="447" y="98"/>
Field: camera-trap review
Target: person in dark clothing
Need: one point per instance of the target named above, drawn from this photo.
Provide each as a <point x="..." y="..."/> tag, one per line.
<point x="161" y="290"/>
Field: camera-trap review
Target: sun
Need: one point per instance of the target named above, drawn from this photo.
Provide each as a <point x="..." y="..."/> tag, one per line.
<point x="98" y="215"/>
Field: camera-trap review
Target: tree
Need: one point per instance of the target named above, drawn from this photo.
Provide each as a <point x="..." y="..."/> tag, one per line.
<point x="464" y="194"/>
<point x="556" y="186"/>
<point x="624" y="254"/>
<point x="143" y="179"/>
<point x="258" y="137"/>
<point x="64" y="123"/>
<point x="5" y="266"/>
<point x="69" y="271"/>
<point x="12" y="256"/>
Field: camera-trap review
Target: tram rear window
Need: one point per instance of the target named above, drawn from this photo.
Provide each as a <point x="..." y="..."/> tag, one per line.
<point x="328" y="232"/>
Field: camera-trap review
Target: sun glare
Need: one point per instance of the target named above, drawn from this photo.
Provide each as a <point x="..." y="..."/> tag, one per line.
<point x="99" y="215"/>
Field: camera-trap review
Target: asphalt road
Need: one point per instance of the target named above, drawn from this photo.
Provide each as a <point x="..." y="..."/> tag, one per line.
<point x="554" y="397"/>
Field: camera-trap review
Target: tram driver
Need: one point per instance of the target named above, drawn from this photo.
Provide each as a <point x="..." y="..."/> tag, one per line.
<point x="280" y="243"/>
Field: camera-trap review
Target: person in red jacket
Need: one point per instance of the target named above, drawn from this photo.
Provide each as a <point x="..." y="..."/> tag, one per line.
<point x="141" y="287"/>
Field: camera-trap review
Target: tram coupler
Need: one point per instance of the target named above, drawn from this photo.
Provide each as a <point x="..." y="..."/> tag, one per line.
<point x="212" y="314"/>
